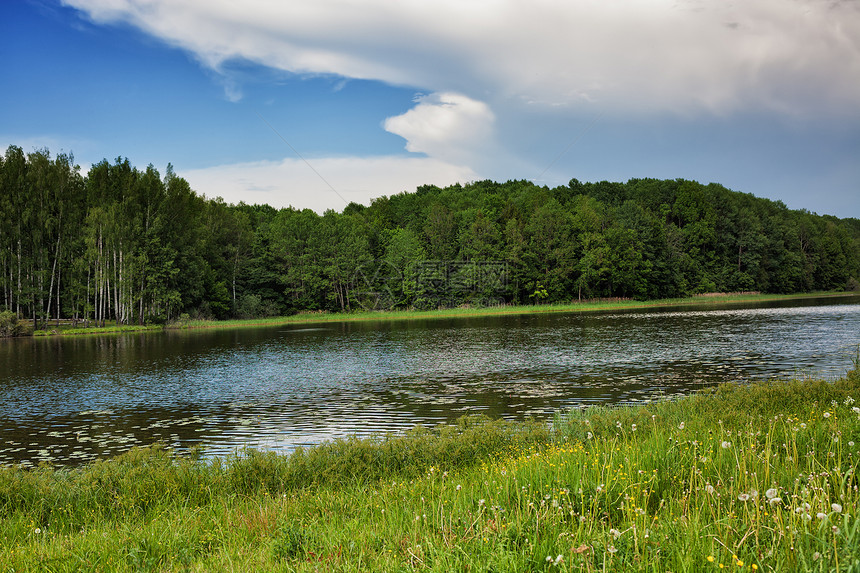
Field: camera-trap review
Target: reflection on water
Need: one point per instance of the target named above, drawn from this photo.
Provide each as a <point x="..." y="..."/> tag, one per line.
<point x="73" y="399"/>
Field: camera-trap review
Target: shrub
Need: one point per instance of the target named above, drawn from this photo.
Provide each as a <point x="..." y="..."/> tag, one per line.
<point x="9" y="325"/>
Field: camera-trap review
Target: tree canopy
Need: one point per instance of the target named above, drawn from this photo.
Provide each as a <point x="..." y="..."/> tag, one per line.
<point x="126" y="245"/>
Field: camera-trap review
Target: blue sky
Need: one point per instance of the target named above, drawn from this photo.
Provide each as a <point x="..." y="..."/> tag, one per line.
<point x="312" y="104"/>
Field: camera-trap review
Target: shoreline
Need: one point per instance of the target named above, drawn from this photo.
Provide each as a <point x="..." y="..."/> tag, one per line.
<point x="711" y="300"/>
<point x="749" y="477"/>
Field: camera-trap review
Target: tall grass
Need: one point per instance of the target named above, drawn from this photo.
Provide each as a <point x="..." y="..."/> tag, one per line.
<point x="741" y="477"/>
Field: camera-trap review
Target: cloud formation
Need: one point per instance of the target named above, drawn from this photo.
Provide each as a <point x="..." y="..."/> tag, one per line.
<point x="291" y="182"/>
<point x="449" y="126"/>
<point x="800" y="57"/>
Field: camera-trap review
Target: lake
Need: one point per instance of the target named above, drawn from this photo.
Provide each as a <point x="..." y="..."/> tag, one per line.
<point x="69" y="400"/>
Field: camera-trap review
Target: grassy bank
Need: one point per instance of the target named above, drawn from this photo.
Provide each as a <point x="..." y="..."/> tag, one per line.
<point x="759" y="477"/>
<point x="510" y="310"/>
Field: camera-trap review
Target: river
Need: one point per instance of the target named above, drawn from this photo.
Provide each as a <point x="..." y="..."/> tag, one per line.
<point x="69" y="400"/>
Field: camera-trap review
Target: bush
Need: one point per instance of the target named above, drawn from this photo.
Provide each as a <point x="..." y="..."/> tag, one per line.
<point x="9" y="325"/>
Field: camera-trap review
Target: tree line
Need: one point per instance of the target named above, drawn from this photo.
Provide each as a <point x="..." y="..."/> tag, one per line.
<point x="124" y="245"/>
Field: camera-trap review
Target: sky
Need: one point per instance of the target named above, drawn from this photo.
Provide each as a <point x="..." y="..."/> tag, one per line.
<point x="317" y="103"/>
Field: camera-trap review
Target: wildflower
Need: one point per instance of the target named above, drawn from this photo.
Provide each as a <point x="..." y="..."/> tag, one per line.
<point x="558" y="559"/>
<point x="836" y="507"/>
<point x="826" y="414"/>
<point x="681" y="426"/>
<point x="802" y="426"/>
<point x="633" y="427"/>
<point x="710" y="558"/>
<point x="710" y="489"/>
<point x="820" y="515"/>
<point x="618" y="424"/>
<point x="589" y="435"/>
<point x="850" y="444"/>
<point x="615" y="533"/>
<point x="612" y="549"/>
<point x="774" y="500"/>
<point x="848" y="401"/>
<point x="726" y="445"/>
<point x="744" y="497"/>
<point x="754" y="567"/>
<point x="481" y="502"/>
<point x="856" y="410"/>
<point x="37" y="531"/>
<point x="816" y="556"/>
<point x="549" y="558"/>
<point x="771" y="493"/>
<point x="834" y="529"/>
<point x="740" y="563"/>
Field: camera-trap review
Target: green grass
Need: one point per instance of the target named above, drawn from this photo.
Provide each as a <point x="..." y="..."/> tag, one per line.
<point x="740" y="477"/>
<point x="462" y="312"/>
<point x="510" y="310"/>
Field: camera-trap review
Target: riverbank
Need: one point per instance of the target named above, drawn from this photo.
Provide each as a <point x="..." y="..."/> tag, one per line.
<point x="745" y="477"/>
<point x="711" y="301"/>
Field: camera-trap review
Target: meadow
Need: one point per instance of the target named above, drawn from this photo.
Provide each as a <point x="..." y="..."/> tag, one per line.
<point x="758" y="477"/>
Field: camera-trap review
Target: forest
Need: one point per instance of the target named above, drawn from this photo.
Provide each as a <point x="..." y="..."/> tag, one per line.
<point x="126" y="245"/>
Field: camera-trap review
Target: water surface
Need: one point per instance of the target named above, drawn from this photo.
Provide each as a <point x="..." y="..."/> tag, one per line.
<point x="72" y="399"/>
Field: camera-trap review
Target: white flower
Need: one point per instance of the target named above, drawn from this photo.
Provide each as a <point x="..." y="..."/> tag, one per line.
<point x="481" y="502"/>
<point x="37" y="531"/>
<point x="744" y="497"/>
<point x="856" y="410"/>
<point x="459" y="487"/>
<point x="820" y="515"/>
<point x="615" y="533"/>
<point x="612" y="549"/>
<point x="589" y="435"/>
<point x="826" y="414"/>
<point x="803" y="425"/>
<point x="618" y="424"/>
<point x="726" y="445"/>
<point x="681" y="426"/>
<point x="836" y="507"/>
<point x="633" y="427"/>
<point x="850" y="444"/>
<point x="774" y="501"/>
<point x="558" y="559"/>
<point x="771" y="493"/>
<point x="549" y="558"/>
<point x="816" y="556"/>
<point x="710" y="489"/>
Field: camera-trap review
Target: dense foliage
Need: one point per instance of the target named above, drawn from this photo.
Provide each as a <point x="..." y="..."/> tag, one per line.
<point x="127" y="245"/>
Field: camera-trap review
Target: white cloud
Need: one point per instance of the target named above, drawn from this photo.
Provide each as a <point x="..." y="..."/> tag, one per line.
<point x="800" y="57"/>
<point x="292" y="182"/>
<point x="448" y="126"/>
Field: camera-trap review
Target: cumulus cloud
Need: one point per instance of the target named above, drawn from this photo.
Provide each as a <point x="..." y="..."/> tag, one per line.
<point x="800" y="57"/>
<point x="447" y="125"/>
<point x="292" y="182"/>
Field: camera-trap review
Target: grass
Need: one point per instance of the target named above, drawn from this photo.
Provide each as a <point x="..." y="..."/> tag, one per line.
<point x="739" y="477"/>
<point x="462" y="312"/>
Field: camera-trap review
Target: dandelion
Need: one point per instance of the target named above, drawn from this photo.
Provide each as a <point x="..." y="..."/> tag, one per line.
<point x="615" y="533"/>
<point x="681" y="426"/>
<point x="481" y="502"/>
<point x="834" y="529"/>
<point x="558" y="559"/>
<point x="37" y="531"/>
<point x="709" y="489"/>
<point x="744" y="497"/>
<point x="826" y="414"/>
<point x="618" y="424"/>
<point x="589" y="435"/>
<point x="836" y="507"/>
<point x="771" y="493"/>
<point x="856" y="410"/>
<point x="820" y="515"/>
<point x="774" y="501"/>
<point x="754" y="567"/>
<point x="633" y="427"/>
<point x="459" y="487"/>
<point x="816" y="556"/>
<point x="710" y="558"/>
<point x="726" y="445"/>
<point x="612" y="549"/>
<point x="850" y="444"/>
